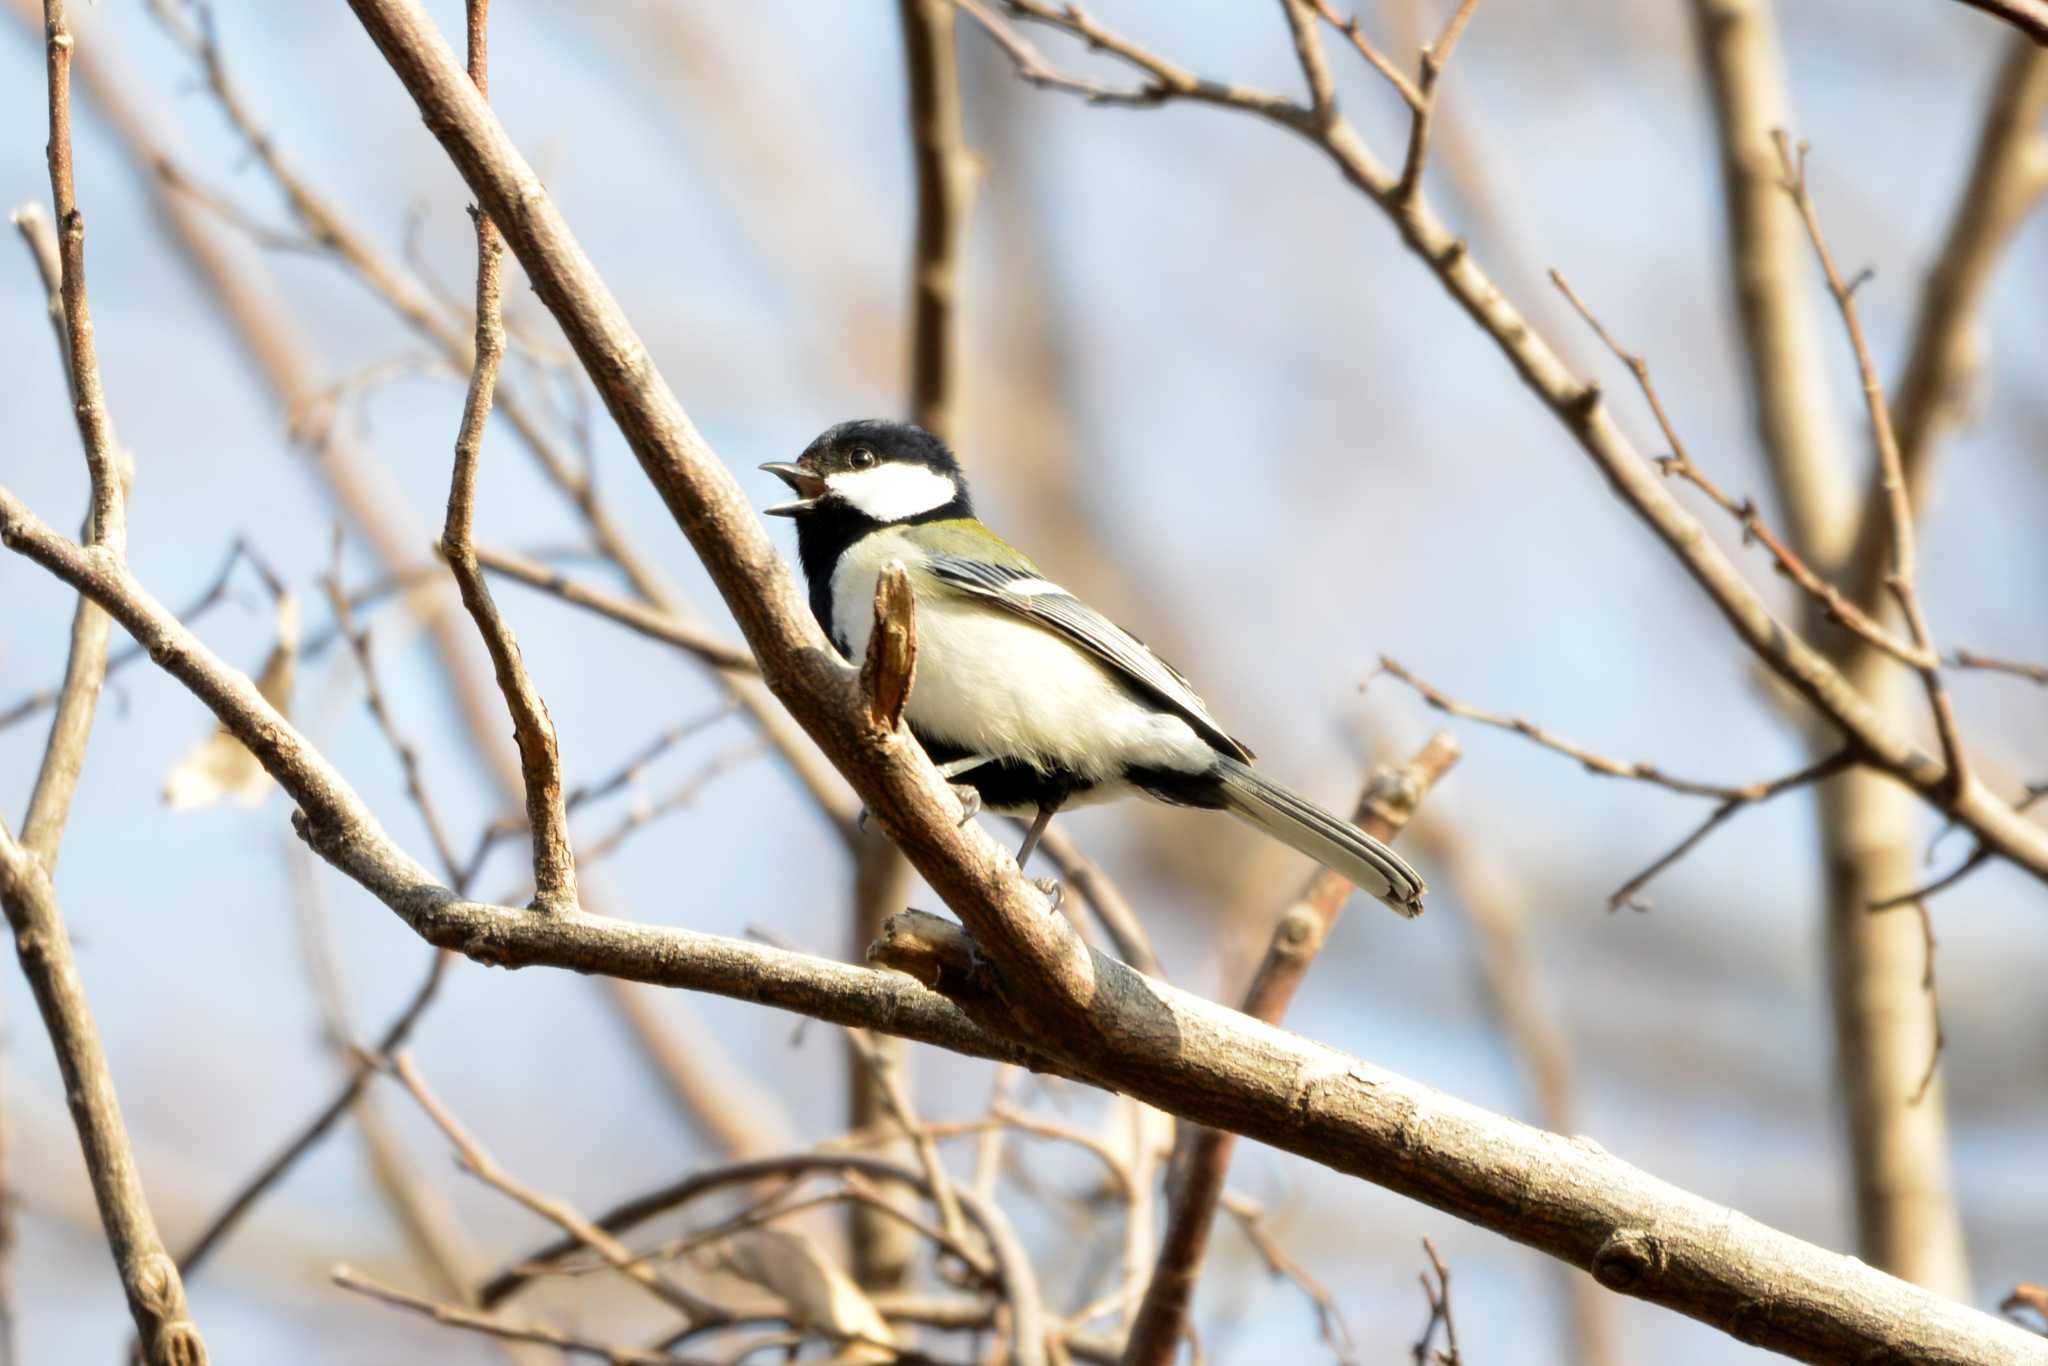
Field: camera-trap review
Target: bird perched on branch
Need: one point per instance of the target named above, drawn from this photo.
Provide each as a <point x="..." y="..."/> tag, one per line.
<point x="1026" y="698"/>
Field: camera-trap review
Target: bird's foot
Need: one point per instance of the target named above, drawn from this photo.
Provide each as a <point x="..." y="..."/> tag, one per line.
<point x="860" y="821"/>
<point x="969" y="798"/>
<point x="1055" y="893"/>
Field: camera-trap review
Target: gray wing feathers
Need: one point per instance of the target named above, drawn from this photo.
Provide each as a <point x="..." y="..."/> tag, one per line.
<point x="1093" y="632"/>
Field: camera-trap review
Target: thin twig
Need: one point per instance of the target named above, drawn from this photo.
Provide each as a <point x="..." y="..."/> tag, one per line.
<point x="1355" y="31"/>
<point x="649" y="621"/>
<point x="1310" y="57"/>
<point x="179" y="181"/>
<point x="1434" y="58"/>
<point x="1928" y="985"/>
<point x="1970" y="659"/>
<point x="896" y="1099"/>
<point x="1586" y="759"/>
<point x="1629" y="894"/>
<point x="1731" y="799"/>
<point x="479" y="1163"/>
<point x="215" y="593"/>
<point x="475" y="1321"/>
<point x="1838" y="606"/>
<point x="1330" y="1322"/>
<point x="85" y="667"/>
<point x="1085" y="878"/>
<point x="681" y="796"/>
<point x="540" y="761"/>
<point x="42" y="942"/>
<point x="1902" y="580"/>
<point x="373" y="698"/>
<point x="1425" y="1352"/>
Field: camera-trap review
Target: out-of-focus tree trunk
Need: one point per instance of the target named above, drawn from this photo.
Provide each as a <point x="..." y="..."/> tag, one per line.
<point x="1878" y="962"/>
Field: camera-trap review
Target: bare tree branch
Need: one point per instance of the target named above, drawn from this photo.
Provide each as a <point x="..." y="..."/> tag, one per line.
<point x="85" y="670"/>
<point x="647" y="620"/>
<point x="156" y="1295"/>
<point x="1902" y="577"/>
<point x="540" y="762"/>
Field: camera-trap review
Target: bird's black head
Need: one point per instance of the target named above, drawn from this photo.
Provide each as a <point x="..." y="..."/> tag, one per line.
<point x="861" y="476"/>
<point x="873" y="471"/>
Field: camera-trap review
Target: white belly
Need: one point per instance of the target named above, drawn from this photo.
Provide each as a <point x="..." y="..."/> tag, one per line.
<point x="995" y="684"/>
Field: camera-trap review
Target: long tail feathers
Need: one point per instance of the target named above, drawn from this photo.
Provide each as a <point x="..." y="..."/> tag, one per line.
<point x="1337" y="844"/>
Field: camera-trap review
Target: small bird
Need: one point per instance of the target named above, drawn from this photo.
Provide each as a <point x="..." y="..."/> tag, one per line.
<point x="1025" y="697"/>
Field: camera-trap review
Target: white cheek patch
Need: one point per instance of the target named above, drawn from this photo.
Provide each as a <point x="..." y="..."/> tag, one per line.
<point x="889" y="493"/>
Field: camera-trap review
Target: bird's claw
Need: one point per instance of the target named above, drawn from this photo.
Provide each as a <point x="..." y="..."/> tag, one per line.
<point x="969" y="798"/>
<point x="860" y="821"/>
<point x="1055" y="893"/>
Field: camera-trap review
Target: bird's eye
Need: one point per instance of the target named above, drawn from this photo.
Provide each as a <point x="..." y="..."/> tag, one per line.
<point x="862" y="458"/>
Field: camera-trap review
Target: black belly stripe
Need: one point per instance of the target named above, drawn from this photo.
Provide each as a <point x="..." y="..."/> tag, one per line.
<point x="1009" y="784"/>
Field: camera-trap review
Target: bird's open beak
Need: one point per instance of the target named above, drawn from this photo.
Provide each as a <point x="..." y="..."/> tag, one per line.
<point x="809" y="489"/>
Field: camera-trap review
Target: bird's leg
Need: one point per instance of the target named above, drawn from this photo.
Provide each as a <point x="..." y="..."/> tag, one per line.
<point x="968" y="795"/>
<point x="1037" y="829"/>
<point x="1054" y="893"/>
